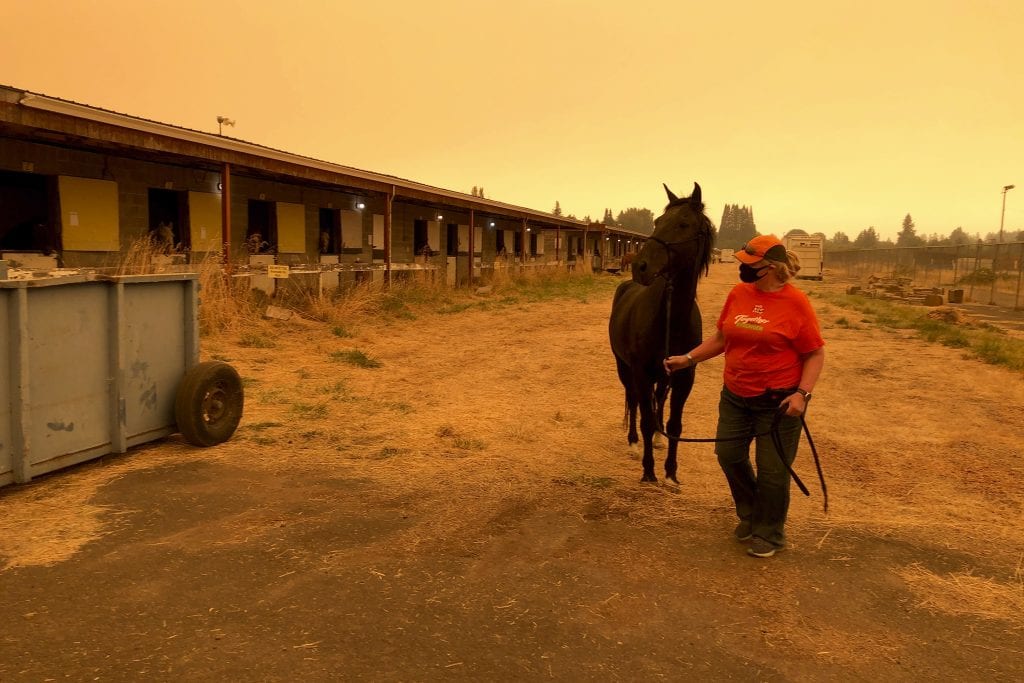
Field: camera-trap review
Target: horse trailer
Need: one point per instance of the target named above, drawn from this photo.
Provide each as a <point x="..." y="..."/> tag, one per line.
<point x="810" y="250"/>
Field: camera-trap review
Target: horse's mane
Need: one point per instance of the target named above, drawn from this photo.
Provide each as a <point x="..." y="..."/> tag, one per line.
<point x="704" y="263"/>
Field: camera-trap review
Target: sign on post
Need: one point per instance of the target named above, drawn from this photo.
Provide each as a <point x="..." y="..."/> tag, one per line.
<point x="278" y="271"/>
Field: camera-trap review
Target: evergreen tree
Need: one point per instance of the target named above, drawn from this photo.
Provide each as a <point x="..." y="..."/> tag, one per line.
<point x="908" y="235"/>
<point x="640" y="220"/>
<point x="839" y="242"/>
<point x="473" y="191"/>
<point x="726" y="229"/>
<point x="608" y="218"/>
<point x="747" y="229"/>
<point x="867" y="239"/>
<point x="737" y="227"/>
<point x="480" y="192"/>
<point x="558" y="209"/>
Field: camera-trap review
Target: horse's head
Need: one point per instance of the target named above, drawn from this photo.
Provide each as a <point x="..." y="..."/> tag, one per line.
<point x="681" y="242"/>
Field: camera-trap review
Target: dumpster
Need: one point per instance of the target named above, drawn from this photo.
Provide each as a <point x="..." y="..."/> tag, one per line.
<point x="93" y="364"/>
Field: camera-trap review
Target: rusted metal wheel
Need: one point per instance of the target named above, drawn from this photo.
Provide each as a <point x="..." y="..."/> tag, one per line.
<point x="209" y="402"/>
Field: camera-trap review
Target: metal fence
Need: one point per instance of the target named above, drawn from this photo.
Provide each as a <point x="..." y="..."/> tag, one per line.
<point x="986" y="272"/>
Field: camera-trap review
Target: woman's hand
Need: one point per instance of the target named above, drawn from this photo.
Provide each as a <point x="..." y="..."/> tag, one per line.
<point x="673" y="363"/>
<point x="795" y="404"/>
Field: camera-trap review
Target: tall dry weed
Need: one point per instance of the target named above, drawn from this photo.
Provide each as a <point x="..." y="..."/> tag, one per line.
<point x="143" y="257"/>
<point x="225" y="303"/>
<point x="342" y="306"/>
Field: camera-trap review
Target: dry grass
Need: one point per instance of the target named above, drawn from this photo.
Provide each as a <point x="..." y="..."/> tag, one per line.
<point x="963" y="593"/>
<point x="57" y="515"/>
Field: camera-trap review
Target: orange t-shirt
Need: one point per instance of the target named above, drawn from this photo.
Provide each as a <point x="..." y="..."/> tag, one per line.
<point x="765" y="335"/>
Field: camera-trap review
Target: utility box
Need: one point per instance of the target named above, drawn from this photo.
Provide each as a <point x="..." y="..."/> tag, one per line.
<point x="810" y="250"/>
<point x="91" y="365"/>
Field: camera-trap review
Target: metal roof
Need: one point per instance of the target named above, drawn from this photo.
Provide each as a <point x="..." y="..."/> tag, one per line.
<point x="105" y="116"/>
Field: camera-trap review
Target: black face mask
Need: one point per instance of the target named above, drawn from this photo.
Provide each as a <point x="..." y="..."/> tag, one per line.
<point x="749" y="273"/>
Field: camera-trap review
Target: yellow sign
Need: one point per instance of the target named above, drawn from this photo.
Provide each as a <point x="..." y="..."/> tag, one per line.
<point x="280" y="272"/>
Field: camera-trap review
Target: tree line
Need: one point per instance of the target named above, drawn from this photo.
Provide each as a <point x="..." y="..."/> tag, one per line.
<point x="636" y="219"/>
<point x="868" y="238"/>
<point x="737" y="227"/>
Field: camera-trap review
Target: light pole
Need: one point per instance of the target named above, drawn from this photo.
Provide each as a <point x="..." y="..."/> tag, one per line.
<point x="1002" y="215"/>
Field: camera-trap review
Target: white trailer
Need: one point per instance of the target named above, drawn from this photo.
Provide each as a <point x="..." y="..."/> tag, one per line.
<point x="726" y="256"/>
<point x="810" y="250"/>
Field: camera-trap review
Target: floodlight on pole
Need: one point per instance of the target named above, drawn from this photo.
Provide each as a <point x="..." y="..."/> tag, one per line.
<point x="1002" y="215"/>
<point x="223" y="121"/>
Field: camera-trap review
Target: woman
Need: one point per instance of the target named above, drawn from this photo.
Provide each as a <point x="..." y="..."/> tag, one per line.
<point x="774" y="354"/>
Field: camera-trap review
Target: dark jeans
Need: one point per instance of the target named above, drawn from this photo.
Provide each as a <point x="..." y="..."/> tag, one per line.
<point x="761" y="499"/>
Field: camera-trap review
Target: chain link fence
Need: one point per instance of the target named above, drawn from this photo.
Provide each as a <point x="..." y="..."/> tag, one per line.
<point x="983" y="272"/>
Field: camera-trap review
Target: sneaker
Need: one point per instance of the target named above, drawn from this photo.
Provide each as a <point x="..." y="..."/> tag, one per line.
<point x="762" y="548"/>
<point x="743" y="531"/>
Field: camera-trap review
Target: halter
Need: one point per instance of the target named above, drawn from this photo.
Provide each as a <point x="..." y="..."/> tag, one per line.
<point x="670" y="248"/>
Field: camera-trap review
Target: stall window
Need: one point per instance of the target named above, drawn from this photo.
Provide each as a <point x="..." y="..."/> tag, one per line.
<point x="261" y="233"/>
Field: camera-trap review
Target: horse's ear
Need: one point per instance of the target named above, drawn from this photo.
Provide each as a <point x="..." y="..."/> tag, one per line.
<point x="671" y="196"/>
<point x="695" y="197"/>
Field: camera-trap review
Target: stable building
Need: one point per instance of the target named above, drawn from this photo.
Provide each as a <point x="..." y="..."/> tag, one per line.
<point x="79" y="185"/>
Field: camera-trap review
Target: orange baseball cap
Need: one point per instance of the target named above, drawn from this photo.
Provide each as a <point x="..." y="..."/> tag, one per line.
<point x="761" y="247"/>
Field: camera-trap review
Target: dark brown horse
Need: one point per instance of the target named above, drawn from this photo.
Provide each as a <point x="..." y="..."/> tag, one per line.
<point x="655" y="315"/>
<point x="627" y="261"/>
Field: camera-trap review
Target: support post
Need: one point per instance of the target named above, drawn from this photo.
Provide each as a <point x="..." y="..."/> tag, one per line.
<point x="524" y="244"/>
<point x="225" y="216"/>
<point x="388" y="199"/>
<point x="588" y="258"/>
<point x="1020" y="274"/>
<point x="995" y="261"/>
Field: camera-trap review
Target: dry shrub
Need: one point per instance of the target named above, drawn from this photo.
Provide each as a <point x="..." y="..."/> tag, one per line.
<point x="962" y="593"/>
<point x="144" y="257"/>
<point x="368" y="299"/>
<point x="225" y="303"/>
<point x="340" y="306"/>
<point x="500" y="277"/>
<point x="530" y="277"/>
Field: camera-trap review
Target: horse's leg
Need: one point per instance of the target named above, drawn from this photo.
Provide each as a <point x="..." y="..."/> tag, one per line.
<point x="660" y="390"/>
<point x="645" y="394"/>
<point x="682" y="385"/>
<point x="632" y="437"/>
<point x="627" y="382"/>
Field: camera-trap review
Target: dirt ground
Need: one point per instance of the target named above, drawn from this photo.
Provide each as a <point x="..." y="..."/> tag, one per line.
<point x="470" y="510"/>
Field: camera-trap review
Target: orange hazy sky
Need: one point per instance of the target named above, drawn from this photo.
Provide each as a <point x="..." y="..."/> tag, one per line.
<point x="824" y="116"/>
